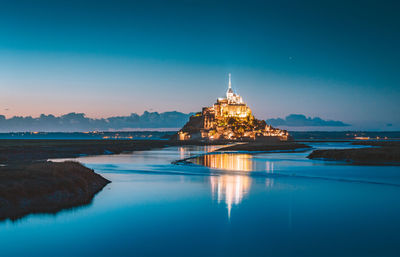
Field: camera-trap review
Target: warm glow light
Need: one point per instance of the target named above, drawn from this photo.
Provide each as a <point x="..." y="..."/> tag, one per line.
<point x="230" y="189"/>
<point x="233" y="162"/>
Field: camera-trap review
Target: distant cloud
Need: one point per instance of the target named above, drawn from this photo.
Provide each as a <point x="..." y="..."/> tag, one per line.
<point x="75" y="122"/>
<point x="300" y="120"/>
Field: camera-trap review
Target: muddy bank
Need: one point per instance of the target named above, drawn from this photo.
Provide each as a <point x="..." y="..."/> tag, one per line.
<point x="265" y="146"/>
<point x="27" y="150"/>
<point x="21" y="150"/>
<point x="382" y="153"/>
<point x="46" y="187"/>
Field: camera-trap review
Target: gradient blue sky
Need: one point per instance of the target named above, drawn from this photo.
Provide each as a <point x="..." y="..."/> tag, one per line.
<point x="334" y="59"/>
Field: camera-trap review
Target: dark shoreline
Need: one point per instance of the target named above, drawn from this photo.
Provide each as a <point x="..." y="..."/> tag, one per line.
<point x="25" y="151"/>
<point x="380" y="153"/>
<point x="17" y="151"/>
<point x="46" y="187"/>
<point x="265" y="147"/>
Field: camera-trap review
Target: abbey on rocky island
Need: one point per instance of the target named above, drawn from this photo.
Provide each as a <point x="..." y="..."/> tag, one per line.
<point x="228" y="119"/>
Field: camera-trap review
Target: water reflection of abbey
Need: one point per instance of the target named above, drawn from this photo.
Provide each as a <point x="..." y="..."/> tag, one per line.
<point x="231" y="188"/>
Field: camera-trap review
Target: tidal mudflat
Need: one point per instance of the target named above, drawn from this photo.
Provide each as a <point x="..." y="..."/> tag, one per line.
<point x="46" y="187"/>
<point x="276" y="204"/>
<point x="379" y="153"/>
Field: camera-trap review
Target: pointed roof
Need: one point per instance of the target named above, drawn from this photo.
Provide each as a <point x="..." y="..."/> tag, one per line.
<point x="230" y="90"/>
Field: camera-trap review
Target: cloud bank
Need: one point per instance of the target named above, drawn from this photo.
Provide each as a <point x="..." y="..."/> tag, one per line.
<point x="299" y="120"/>
<point x="77" y="122"/>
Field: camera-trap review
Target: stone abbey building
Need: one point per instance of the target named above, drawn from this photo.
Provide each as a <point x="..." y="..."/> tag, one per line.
<point x="228" y="119"/>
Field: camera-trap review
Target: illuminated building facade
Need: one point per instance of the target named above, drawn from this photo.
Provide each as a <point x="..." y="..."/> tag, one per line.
<point x="228" y="119"/>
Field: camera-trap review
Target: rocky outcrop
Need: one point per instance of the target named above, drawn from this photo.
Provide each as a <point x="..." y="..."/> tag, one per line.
<point x="205" y="126"/>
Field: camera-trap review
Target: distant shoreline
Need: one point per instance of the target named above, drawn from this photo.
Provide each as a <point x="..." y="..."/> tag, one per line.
<point x="265" y="147"/>
<point x="382" y="153"/>
<point x="156" y="134"/>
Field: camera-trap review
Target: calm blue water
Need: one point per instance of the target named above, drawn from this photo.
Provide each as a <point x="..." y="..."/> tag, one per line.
<point x="279" y="204"/>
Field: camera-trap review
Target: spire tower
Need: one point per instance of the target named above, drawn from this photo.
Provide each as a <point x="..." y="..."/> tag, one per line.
<point x="229" y="92"/>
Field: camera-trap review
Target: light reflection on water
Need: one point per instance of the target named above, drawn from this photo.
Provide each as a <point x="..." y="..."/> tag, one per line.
<point x="240" y="162"/>
<point x="229" y="188"/>
<point x="233" y="162"/>
<point x="232" y="188"/>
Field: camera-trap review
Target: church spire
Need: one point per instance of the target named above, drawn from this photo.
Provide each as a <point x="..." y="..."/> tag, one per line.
<point x="229" y="92"/>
